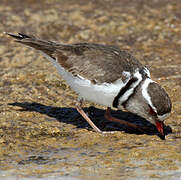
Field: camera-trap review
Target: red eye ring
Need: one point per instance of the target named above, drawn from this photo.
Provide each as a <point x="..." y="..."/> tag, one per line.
<point x="151" y="111"/>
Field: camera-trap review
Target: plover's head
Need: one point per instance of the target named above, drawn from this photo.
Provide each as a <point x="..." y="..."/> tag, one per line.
<point x="150" y="101"/>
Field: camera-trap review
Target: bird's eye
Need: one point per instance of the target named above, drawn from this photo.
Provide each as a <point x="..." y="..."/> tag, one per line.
<point x="151" y="111"/>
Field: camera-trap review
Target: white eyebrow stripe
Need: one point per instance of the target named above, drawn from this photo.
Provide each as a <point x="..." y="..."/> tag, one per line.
<point x="145" y="92"/>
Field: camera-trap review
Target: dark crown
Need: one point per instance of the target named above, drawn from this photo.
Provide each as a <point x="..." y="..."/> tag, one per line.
<point x="159" y="98"/>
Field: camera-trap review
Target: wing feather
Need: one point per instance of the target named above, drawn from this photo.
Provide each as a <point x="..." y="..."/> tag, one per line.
<point x="100" y="63"/>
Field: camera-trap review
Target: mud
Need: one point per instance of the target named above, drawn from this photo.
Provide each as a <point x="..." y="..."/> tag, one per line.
<point x="41" y="133"/>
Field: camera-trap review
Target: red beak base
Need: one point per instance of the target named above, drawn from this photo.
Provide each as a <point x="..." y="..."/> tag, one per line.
<point x="160" y="128"/>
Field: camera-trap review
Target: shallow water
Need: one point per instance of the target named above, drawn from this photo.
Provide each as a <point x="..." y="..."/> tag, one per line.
<point x="41" y="134"/>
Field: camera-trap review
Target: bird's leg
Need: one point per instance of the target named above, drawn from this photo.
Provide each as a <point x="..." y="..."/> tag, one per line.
<point x="108" y="116"/>
<point x="84" y="115"/>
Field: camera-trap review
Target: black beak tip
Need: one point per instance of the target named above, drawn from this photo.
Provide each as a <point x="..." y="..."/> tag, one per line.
<point x="166" y="130"/>
<point x="161" y="136"/>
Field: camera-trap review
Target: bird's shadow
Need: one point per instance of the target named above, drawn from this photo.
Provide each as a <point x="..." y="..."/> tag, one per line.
<point x="70" y="115"/>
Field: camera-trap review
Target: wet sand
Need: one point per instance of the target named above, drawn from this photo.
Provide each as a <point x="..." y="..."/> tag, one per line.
<point x="41" y="133"/>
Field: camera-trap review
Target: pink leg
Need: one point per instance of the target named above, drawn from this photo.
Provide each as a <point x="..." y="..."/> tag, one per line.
<point x="84" y="115"/>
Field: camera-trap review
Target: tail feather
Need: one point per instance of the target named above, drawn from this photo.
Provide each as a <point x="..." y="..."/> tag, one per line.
<point x="20" y="36"/>
<point x="45" y="46"/>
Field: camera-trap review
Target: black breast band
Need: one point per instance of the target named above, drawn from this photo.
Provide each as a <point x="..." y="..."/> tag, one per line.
<point x="123" y="91"/>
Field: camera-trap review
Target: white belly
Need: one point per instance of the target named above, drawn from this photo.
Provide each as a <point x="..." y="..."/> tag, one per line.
<point x="103" y="94"/>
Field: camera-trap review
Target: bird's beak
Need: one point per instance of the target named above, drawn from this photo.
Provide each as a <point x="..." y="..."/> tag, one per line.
<point x="160" y="127"/>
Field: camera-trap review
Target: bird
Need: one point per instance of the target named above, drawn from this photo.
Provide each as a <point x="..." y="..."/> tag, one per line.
<point x="108" y="76"/>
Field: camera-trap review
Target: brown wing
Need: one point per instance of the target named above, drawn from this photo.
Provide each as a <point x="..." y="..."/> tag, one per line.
<point x="100" y="63"/>
<point x="96" y="62"/>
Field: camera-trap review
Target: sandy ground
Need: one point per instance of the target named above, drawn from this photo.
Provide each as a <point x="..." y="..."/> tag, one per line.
<point x="41" y="133"/>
